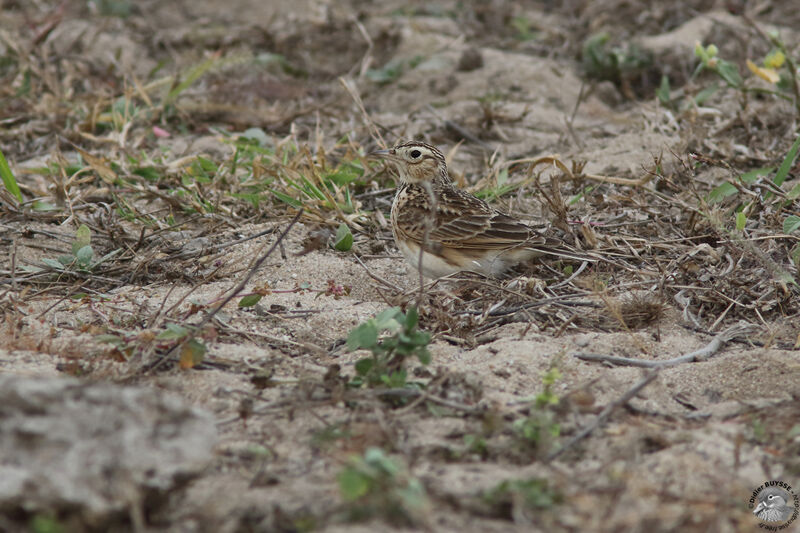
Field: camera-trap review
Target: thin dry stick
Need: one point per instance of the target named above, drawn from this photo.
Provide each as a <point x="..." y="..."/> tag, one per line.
<point x="604" y="415"/>
<point x="14" y="266"/>
<point x="353" y="92"/>
<point x="702" y="354"/>
<point x="414" y="393"/>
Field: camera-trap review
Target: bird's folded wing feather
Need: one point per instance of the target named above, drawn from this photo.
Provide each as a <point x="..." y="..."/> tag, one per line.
<point x="464" y="221"/>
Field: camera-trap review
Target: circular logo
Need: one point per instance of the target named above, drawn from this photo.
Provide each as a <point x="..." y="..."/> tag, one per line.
<point x="775" y="505"/>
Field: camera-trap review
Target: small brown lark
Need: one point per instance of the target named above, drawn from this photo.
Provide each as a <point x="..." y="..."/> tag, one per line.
<point x="461" y="231"/>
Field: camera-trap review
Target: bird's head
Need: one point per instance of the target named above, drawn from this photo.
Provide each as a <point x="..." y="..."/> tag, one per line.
<point x="770" y="498"/>
<point x="416" y="162"/>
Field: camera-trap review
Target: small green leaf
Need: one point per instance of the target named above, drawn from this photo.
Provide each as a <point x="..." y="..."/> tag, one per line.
<point x="412" y="317"/>
<point x="41" y="206"/>
<point x="84" y="256"/>
<point x="721" y="192"/>
<point x="424" y="356"/>
<point x="82" y="238"/>
<point x="250" y="300"/>
<point x="386" y="319"/>
<point x="794" y="193"/>
<point x="344" y="239"/>
<point x="363" y="366"/>
<point x="172" y="332"/>
<point x="752" y="175"/>
<point x="741" y="220"/>
<point x="705" y="94"/>
<point x="52" y="263"/>
<point x="364" y="336"/>
<point x="257" y="135"/>
<point x="729" y="72"/>
<point x="787" y="164"/>
<point x="352" y="484"/>
<point x="791" y="223"/>
<point x="192" y="353"/>
<point x="116" y="340"/>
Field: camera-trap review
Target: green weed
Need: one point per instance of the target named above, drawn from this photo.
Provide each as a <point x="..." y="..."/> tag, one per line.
<point x="511" y="497"/>
<point x="375" y="485"/>
<point x="539" y="429"/>
<point x="392" y="337"/>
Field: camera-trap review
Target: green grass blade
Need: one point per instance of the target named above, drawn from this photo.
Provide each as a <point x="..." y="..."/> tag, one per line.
<point x="8" y="178"/>
<point x="787" y="164"/>
<point x="192" y="76"/>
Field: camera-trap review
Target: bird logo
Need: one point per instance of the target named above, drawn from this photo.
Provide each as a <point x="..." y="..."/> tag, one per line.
<point x="776" y="504"/>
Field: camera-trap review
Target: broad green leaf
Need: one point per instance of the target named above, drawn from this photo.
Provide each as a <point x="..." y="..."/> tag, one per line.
<point x="250" y="300"/>
<point x="787" y="164"/>
<point x="8" y="178"/>
<point x="791" y="223"/>
<point x="344" y="239"/>
<point x="192" y="353"/>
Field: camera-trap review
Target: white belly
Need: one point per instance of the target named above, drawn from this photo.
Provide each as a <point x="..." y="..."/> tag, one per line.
<point x="432" y="266"/>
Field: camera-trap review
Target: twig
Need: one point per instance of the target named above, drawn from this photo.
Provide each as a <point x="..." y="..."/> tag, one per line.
<point x="570" y="121"/>
<point x="353" y="92"/>
<point x="373" y="275"/>
<point x="415" y="393"/>
<point x="604" y="415"/>
<point x="702" y="354"/>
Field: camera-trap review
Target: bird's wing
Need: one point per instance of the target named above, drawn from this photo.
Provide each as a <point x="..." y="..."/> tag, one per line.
<point x="463" y="221"/>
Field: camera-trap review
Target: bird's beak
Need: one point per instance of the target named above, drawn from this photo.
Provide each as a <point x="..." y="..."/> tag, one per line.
<point x="759" y="508"/>
<point x="382" y="153"/>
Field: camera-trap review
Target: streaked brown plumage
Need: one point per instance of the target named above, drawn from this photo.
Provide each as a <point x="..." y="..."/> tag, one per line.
<point x="465" y="232"/>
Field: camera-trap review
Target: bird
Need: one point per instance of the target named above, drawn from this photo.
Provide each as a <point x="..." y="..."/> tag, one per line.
<point x="461" y="232"/>
<point x="772" y="505"/>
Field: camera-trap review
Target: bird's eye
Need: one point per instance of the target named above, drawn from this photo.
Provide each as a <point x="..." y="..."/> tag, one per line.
<point x="415" y="154"/>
